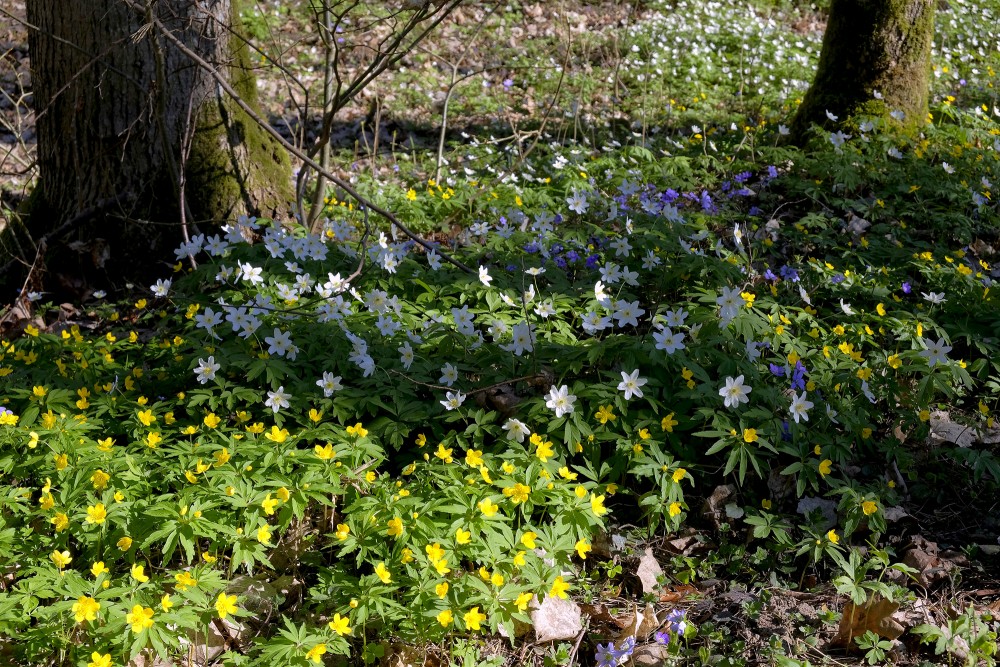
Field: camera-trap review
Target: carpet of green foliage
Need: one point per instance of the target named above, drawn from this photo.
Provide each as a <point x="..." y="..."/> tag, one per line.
<point x="324" y="443"/>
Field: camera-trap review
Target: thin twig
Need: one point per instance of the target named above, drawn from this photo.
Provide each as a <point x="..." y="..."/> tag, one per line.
<point x="579" y="638"/>
<point x="552" y="103"/>
<point x="454" y="82"/>
<point x="187" y="141"/>
<point x="76" y="47"/>
<point x="329" y="42"/>
<point x="362" y="245"/>
<point x="385" y="58"/>
<point x="480" y="390"/>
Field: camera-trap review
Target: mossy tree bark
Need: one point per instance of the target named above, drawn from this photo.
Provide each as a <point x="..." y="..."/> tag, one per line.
<point x="123" y="113"/>
<point x="869" y="46"/>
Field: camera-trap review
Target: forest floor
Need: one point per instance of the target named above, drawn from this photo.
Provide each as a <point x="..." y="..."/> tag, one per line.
<point x="537" y="90"/>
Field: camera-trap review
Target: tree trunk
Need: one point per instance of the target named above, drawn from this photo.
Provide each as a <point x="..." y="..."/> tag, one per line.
<point x="124" y="117"/>
<point x="869" y="46"/>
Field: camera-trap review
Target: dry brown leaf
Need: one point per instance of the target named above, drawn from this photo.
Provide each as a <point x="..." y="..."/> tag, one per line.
<point x="642" y="624"/>
<point x="714" y="507"/>
<point x="931" y="565"/>
<point x="678" y="593"/>
<point x="651" y="655"/>
<point x="875" y="615"/>
<point x="599" y="612"/>
<point x="649" y="623"/>
<point x="406" y="655"/>
<point x="687" y="545"/>
<point x="984" y="592"/>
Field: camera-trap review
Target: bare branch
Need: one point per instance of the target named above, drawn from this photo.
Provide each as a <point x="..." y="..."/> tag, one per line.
<point x="385" y="57"/>
<point x="223" y="83"/>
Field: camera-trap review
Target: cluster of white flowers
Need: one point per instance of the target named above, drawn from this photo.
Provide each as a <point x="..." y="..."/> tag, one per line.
<point x="336" y="301"/>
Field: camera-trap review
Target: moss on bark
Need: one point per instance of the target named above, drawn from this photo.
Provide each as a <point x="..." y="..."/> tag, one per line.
<point x="869" y="46"/>
<point x="235" y="166"/>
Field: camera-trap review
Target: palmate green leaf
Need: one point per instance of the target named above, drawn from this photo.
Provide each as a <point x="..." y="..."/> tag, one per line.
<point x="454" y="508"/>
<point x="243" y="395"/>
<point x="737" y="457"/>
<point x="14" y="613"/>
<point x="169" y="528"/>
<point x="932" y="633"/>
<point x="792" y="468"/>
<point x="285" y="648"/>
<point x="847" y="586"/>
<point x="140" y="642"/>
<point x="199" y="397"/>
<point x="411" y="412"/>
<point x="247" y="552"/>
<point x="718" y="446"/>
<point x="570" y="433"/>
<point x="29" y="415"/>
<point x="982" y="462"/>
<point x="256" y="368"/>
<point x="171" y="535"/>
<point x="186" y="537"/>
<point x="160" y="638"/>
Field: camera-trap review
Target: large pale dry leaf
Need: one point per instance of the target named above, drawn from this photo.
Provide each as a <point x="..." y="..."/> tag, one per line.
<point x="893" y="514"/>
<point x="942" y="429"/>
<point x="827" y="509"/>
<point x="875" y="615"/>
<point x="556" y="619"/>
<point x="780" y="486"/>
<point x="686" y="545"/>
<point x="603" y="544"/>
<point x="918" y="613"/>
<point x="222" y="636"/>
<point x="990" y="436"/>
<point x="649" y="571"/>
<point x="18" y="317"/>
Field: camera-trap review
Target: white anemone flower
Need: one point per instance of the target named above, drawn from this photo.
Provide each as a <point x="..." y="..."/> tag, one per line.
<point x="516" y="429"/>
<point x="631" y="384"/>
<point x="800" y="407"/>
<point x="560" y="400"/>
<point x="206" y="370"/>
<point x="453" y="400"/>
<point x="735" y="392"/>
<point x="277" y="400"/>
